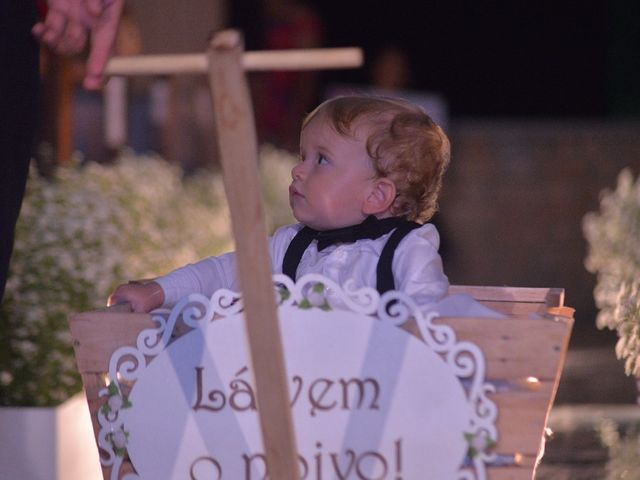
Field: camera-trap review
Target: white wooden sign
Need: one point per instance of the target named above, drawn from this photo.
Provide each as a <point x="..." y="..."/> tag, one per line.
<point x="369" y="400"/>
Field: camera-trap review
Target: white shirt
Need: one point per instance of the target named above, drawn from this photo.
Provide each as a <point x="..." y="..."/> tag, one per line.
<point x="417" y="266"/>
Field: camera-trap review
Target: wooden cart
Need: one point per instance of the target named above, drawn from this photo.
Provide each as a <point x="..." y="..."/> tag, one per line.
<point x="524" y="352"/>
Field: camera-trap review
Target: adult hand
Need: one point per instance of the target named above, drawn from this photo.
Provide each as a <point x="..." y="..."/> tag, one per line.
<point x="69" y="24"/>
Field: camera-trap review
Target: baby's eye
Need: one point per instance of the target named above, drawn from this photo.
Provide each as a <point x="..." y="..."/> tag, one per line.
<point x="322" y="160"/>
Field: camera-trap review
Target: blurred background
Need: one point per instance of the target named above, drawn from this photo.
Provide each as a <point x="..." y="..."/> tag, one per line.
<point x="540" y="100"/>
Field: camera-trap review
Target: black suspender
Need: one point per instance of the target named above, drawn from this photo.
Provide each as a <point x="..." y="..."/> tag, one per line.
<point x="384" y="270"/>
<point x="295" y="250"/>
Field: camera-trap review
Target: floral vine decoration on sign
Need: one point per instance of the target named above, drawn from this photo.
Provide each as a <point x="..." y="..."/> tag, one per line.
<point x="479" y="442"/>
<point x="316" y="297"/>
<point x="116" y="401"/>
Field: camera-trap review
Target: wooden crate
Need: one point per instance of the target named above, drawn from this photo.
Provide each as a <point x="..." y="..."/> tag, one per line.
<point x="524" y="354"/>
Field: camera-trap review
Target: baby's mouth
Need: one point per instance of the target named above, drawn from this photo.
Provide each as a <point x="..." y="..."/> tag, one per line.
<point x="293" y="192"/>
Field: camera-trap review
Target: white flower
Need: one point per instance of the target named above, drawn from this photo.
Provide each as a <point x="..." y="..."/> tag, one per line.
<point x="95" y="227"/>
<point x="5" y="378"/>
<point x="119" y="439"/>
<point x="115" y="403"/>
<point x="315" y="298"/>
<point x="480" y="441"/>
<point x="613" y="235"/>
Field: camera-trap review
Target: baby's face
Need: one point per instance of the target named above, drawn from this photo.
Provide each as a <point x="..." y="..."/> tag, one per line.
<point x="334" y="177"/>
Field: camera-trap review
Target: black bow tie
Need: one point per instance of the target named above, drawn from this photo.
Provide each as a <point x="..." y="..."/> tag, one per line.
<point x="370" y="228"/>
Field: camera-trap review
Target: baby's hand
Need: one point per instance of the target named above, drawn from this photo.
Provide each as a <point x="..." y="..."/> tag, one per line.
<point x="143" y="297"/>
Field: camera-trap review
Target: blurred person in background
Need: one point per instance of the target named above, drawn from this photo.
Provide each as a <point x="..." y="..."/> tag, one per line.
<point x="281" y="99"/>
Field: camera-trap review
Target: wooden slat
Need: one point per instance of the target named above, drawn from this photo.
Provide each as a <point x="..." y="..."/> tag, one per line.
<point x="511" y="473"/>
<point x="515" y="348"/>
<point x="196" y="63"/>
<point x="552" y="297"/>
<point x="518" y="351"/>
<point x="235" y="125"/>
<point x="522" y="419"/>
<point x="517" y="308"/>
<point x="66" y="83"/>
<point x="97" y="335"/>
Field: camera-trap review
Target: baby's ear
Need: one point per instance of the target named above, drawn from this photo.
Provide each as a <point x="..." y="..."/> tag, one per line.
<point x="381" y="196"/>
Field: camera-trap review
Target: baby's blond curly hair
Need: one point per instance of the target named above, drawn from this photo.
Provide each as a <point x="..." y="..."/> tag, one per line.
<point x="404" y="144"/>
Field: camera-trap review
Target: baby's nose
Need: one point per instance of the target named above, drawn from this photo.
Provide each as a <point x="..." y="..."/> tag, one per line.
<point x="296" y="172"/>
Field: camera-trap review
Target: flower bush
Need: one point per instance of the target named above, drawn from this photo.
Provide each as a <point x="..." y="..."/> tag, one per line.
<point x="613" y="236"/>
<point x="623" y="449"/>
<point x="91" y="228"/>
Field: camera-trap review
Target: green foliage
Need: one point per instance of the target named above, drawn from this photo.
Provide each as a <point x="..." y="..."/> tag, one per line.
<point x="613" y="236"/>
<point x="90" y="229"/>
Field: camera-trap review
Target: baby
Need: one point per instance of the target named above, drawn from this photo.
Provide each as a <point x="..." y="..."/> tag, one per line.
<point x="369" y="176"/>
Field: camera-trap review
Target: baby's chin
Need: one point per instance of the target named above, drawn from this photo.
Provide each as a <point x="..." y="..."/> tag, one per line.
<point x="330" y="225"/>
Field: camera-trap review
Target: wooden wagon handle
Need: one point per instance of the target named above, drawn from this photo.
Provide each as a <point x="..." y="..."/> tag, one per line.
<point x="237" y="141"/>
<point x="197" y="63"/>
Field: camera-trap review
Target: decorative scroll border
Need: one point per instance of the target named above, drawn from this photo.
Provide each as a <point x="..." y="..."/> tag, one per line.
<point x="310" y="291"/>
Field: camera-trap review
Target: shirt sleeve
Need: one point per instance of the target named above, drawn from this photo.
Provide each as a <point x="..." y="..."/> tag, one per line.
<point x="417" y="266"/>
<point x="205" y="277"/>
<point x="213" y="273"/>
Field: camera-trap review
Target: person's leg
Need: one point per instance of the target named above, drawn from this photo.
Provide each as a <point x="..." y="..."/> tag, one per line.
<point x="19" y="100"/>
